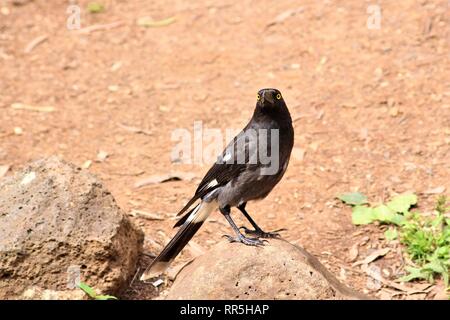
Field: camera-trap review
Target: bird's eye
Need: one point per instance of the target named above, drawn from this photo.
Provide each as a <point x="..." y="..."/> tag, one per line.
<point x="258" y="97"/>
<point x="278" y="96"/>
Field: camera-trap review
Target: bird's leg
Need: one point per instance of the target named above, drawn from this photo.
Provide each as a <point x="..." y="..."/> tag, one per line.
<point x="258" y="232"/>
<point x="239" y="236"/>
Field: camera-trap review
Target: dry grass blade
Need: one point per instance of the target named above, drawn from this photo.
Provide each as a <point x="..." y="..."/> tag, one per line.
<point x="34" y="43"/>
<point x="150" y="23"/>
<point x="135" y="129"/>
<point x="100" y="27"/>
<point x="22" y="106"/>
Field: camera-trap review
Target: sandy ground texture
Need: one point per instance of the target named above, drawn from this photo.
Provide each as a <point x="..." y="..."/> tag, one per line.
<point x="371" y="108"/>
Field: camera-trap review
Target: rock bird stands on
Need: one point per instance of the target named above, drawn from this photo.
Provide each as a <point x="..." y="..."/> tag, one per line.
<point x="248" y="169"/>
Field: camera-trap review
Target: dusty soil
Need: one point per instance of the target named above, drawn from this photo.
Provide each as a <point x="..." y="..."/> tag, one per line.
<point x="371" y="107"/>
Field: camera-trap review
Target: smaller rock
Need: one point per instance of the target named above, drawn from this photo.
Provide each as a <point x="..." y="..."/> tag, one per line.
<point x="278" y="270"/>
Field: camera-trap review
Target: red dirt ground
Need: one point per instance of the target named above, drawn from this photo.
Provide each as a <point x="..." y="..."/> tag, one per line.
<point x="371" y="107"/>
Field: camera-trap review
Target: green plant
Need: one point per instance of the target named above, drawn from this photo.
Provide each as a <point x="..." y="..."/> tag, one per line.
<point x="426" y="238"/>
<point x="391" y="212"/>
<point x="92" y="294"/>
<point x="427" y="242"/>
<point x="95" y="7"/>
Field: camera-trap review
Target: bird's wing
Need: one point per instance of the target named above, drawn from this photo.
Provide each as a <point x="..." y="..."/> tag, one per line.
<point x="233" y="161"/>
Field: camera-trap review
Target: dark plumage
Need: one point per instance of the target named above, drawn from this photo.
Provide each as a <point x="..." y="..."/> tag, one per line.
<point x="244" y="172"/>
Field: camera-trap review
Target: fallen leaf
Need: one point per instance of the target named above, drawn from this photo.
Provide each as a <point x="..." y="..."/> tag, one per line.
<point x="353" y="253"/>
<point x="155" y="179"/>
<point x="420" y="288"/>
<point x="353" y="198"/>
<point x="364" y="240"/>
<point x="4" y="169"/>
<point x="436" y="190"/>
<point x="102" y="155"/>
<point x="373" y="256"/>
<point x="146" y="215"/>
<point x="440" y="292"/>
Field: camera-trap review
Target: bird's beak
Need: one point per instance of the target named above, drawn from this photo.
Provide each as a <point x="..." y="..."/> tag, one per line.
<point x="266" y="96"/>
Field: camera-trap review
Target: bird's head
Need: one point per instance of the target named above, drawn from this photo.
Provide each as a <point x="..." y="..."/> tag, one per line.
<point x="269" y="98"/>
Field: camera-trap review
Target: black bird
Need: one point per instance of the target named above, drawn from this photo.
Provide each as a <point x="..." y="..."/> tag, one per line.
<point x="248" y="169"/>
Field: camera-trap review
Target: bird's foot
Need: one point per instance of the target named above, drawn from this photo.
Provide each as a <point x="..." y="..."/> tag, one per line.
<point x="247" y="241"/>
<point x="258" y="233"/>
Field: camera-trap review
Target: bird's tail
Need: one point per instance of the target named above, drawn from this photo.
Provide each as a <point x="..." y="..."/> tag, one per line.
<point x="179" y="241"/>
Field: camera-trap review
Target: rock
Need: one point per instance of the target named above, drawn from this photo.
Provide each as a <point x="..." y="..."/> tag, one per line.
<point x="278" y="270"/>
<point x="59" y="224"/>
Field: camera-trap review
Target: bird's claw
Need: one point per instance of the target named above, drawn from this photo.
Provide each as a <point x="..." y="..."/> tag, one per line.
<point x="246" y="241"/>
<point x="262" y="234"/>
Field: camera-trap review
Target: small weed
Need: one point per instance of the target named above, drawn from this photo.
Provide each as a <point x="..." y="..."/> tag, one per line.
<point x="95" y="7"/>
<point x="92" y="294"/>
<point x="426" y="238"/>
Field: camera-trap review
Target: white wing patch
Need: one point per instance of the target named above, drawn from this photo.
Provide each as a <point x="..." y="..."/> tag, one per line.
<point x="212" y="184"/>
<point x="226" y="157"/>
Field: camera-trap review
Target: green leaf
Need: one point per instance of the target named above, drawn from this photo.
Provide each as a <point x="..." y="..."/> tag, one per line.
<point x="92" y="294"/>
<point x="391" y="234"/>
<point x="95" y="7"/>
<point x="105" y="298"/>
<point x="362" y="215"/>
<point x="385" y="214"/>
<point x="398" y="219"/>
<point x="402" y="203"/>
<point x="353" y="198"/>
<point x="87" y="289"/>
<point x="435" y="266"/>
<point x="414" y="273"/>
